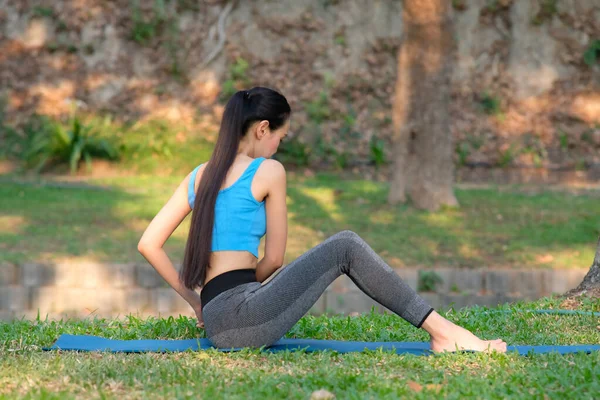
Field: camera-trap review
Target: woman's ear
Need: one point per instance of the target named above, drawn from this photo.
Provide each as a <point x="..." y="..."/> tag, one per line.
<point x="262" y="128"/>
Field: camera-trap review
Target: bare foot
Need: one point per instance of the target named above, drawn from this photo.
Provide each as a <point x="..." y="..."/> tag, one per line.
<point x="447" y="336"/>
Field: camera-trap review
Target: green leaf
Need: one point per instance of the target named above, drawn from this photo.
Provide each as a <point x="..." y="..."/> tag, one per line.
<point x="108" y="149"/>
<point x="38" y="144"/>
<point x="76" y="127"/>
<point x="76" y="155"/>
<point x="42" y="163"/>
<point x="88" y="161"/>
<point x="590" y="56"/>
<point x="63" y="137"/>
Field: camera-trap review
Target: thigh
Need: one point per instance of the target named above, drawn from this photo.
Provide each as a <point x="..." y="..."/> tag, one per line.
<point x="299" y="284"/>
<point x="266" y="312"/>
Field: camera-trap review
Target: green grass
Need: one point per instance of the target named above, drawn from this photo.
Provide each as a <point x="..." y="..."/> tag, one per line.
<point x="502" y="227"/>
<point x="26" y="371"/>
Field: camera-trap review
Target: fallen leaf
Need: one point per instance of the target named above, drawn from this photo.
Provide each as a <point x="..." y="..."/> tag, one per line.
<point x="322" y="394"/>
<point x="415" y="386"/>
<point x="546" y="258"/>
<point x="434" y="386"/>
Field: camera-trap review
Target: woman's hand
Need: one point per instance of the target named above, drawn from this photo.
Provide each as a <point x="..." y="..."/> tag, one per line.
<point x="200" y="322"/>
<point x="197" y="307"/>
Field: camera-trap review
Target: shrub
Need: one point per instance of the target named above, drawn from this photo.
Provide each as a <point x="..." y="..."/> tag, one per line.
<point x="592" y="54"/>
<point x="238" y="79"/>
<point x="428" y="280"/>
<point x="318" y="109"/>
<point x="294" y="151"/>
<point x="377" y="151"/>
<point x="45" y="141"/>
<point x="490" y="104"/>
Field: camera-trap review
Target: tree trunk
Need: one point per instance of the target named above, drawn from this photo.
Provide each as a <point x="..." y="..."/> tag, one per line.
<point x="592" y="279"/>
<point x="423" y="168"/>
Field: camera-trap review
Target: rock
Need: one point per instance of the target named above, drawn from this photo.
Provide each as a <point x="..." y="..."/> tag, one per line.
<point x="32" y="33"/>
<point x="533" y="61"/>
<point x="107" y="47"/>
<point x="104" y="93"/>
<point x="142" y="66"/>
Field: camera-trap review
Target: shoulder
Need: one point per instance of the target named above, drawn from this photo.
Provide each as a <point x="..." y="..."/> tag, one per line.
<point x="272" y="168"/>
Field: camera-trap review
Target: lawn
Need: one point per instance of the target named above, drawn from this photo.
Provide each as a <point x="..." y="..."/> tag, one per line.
<point x="44" y="219"/>
<point x="27" y="371"/>
<point x="103" y="219"/>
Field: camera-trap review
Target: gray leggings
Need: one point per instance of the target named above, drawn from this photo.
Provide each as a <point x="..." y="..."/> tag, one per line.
<point x="255" y="315"/>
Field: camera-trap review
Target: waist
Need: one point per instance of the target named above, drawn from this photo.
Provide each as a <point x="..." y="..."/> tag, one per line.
<point x="225" y="281"/>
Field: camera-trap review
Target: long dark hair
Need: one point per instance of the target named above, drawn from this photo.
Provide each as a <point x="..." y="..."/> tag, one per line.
<point x="244" y="108"/>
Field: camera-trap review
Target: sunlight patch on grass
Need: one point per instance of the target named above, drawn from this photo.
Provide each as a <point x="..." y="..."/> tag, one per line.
<point x="364" y="187"/>
<point x="382" y="217"/>
<point x="325" y="199"/>
<point x="12" y="224"/>
<point x="578" y="256"/>
<point x="432" y="247"/>
<point x="469" y="250"/>
<point x="448" y="219"/>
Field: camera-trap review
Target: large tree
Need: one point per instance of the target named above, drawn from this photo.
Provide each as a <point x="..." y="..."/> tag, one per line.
<point x="592" y="279"/>
<point x="423" y="167"/>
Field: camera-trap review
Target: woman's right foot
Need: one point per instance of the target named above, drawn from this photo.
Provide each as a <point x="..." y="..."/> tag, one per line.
<point x="448" y="337"/>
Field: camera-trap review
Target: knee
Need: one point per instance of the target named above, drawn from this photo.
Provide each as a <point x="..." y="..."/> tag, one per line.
<point x="346" y="240"/>
<point x="349" y="238"/>
<point x="348" y="234"/>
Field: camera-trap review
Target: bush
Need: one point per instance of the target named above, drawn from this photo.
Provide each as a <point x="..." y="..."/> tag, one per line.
<point x="238" y="79"/>
<point x="490" y="104"/>
<point x="144" y="30"/>
<point x="147" y="140"/>
<point x="318" y="108"/>
<point x="294" y="151"/>
<point x="592" y="54"/>
<point x="428" y="281"/>
<point x="44" y="142"/>
<point x="377" y="151"/>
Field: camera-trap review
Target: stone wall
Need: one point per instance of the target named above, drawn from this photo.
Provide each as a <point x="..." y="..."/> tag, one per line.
<point x="115" y="290"/>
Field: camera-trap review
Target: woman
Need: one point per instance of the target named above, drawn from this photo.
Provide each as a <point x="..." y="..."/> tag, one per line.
<point x="238" y="196"/>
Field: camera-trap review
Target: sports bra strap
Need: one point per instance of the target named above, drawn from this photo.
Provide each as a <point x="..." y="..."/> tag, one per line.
<point x="248" y="174"/>
<point x="191" y="191"/>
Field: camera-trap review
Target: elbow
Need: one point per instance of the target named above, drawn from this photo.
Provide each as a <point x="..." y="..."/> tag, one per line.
<point x="143" y="247"/>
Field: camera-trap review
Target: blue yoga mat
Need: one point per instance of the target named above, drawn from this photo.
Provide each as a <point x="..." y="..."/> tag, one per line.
<point x="95" y="343"/>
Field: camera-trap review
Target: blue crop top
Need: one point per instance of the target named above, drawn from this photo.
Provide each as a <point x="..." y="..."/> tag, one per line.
<point x="240" y="220"/>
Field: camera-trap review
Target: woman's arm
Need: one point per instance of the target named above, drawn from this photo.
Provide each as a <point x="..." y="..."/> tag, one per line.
<point x="156" y="234"/>
<point x="273" y="275"/>
<point x="159" y="259"/>
<point x="276" y="211"/>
